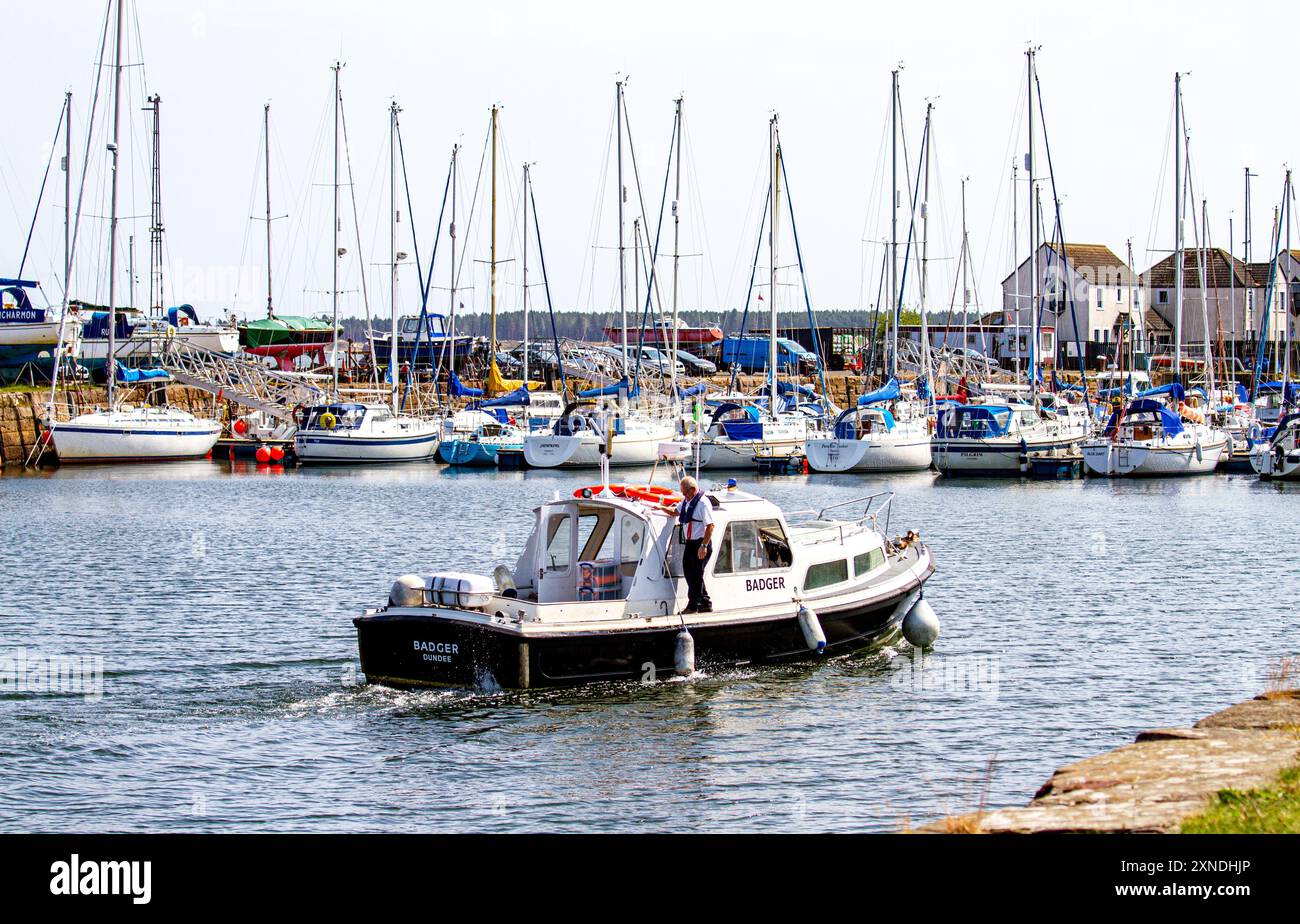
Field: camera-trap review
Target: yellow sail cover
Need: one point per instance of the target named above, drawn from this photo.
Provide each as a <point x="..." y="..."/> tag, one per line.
<point x="496" y="385"/>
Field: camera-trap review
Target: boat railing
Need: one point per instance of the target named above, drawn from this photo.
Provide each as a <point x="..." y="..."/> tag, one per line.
<point x="875" y="507"/>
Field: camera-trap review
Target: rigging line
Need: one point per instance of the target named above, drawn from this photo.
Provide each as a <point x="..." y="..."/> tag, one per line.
<point x="90" y="132"/>
<point x="1065" y="259"/>
<point x="546" y="286"/>
<point x="356" y="224"/>
<point x="248" y="223"/>
<point x="803" y="275"/>
<point x="473" y="204"/>
<point x="753" y="271"/>
<point x="593" y="224"/>
<point x="63" y="111"/>
<point x="652" y="291"/>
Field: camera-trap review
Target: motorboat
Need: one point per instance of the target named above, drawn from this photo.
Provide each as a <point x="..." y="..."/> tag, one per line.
<point x="597" y="594"/>
<point x="356" y="432"/>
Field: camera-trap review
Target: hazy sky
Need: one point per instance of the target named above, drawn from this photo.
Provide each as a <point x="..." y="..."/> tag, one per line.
<point x="1106" y="71"/>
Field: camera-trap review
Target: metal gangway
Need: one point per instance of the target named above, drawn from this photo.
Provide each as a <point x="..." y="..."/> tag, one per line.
<point x="241" y="380"/>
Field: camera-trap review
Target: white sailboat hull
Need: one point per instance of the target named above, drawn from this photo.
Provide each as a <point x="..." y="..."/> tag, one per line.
<point x="1156" y="458"/>
<point x="127" y="436"/>
<point x="413" y="444"/>
<point x="584" y="450"/>
<point x="879" y="454"/>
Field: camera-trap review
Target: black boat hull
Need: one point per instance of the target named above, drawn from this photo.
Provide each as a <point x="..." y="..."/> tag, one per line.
<point x="402" y="649"/>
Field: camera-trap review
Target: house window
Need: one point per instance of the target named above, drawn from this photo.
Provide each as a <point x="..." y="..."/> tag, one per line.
<point x="1164" y="296"/>
<point x="1099" y="295"/>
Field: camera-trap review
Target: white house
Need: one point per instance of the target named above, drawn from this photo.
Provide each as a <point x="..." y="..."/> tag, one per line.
<point x="1087" y="293"/>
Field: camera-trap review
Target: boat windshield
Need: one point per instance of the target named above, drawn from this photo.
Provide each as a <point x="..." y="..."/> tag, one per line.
<point x="335" y="417"/>
<point x="976" y="422"/>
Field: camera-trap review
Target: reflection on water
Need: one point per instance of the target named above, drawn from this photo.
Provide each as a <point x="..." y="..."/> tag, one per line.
<point x="219" y="597"/>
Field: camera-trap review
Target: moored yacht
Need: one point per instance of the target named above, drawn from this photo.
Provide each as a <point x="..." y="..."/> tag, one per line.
<point x="1149" y="437"/>
<point x="134" y="434"/>
<point x="883" y="433"/>
<point x="1278" y="455"/>
<point x="995" y="438"/>
<point x="598" y="594"/>
<point x="355" y="432"/>
<point x="581" y="435"/>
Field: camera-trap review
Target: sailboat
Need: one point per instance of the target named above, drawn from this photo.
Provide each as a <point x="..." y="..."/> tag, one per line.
<point x="608" y="422"/>
<point x="996" y="436"/>
<point x="368" y="432"/>
<point x="1159" y="433"/>
<point x="745" y="434"/>
<point x="123" y="433"/>
<point x="889" y="429"/>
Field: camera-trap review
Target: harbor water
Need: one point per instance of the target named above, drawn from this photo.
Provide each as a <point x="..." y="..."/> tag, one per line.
<point x="219" y="598"/>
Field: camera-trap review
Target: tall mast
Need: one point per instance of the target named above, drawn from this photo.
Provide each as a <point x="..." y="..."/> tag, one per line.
<point x="392" y="250"/>
<point x="1015" y="254"/>
<point x="524" y="237"/>
<point x="1232" y="298"/>
<point x="156" y="296"/>
<point x="774" y="154"/>
<point x="925" y="249"/>
<point x="893" y="224"/>
<point x="110" y="364"/>
<point x="266" y="131"/>
<point x="622" y="195"/>
<point x="451" y="232"/>
<point x="334" y="288"/>
<point x="492" y="253"/>
<point x="1132" y="312"/>
<point x="1036" y="343"/>
<point x="1286" y="302"/>
<point x="964" y="257"/>
<point x="1250" y="294"/>
<point x="1178" y="225"/>
<point x="677" y="220"/>
<point x="67" y="241"/>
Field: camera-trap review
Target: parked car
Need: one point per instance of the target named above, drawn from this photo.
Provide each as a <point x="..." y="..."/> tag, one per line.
<point x="696" y="365"/>
<point x="654" y="360"/>
<point x="971" y="357"/>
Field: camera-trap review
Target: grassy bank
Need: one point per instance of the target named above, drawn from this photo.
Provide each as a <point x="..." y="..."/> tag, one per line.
<point x="1275" y="810"/>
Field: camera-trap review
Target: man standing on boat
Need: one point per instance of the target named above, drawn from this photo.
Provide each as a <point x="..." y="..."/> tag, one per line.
<point x="695" y="514"/>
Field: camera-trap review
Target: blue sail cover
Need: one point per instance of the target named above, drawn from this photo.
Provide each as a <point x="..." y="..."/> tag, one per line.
<point x="1174" y="390"/>
<point x="174" y="315"/>
<point x="22" y="311"/>
<point x="1274" y="388"/>
<point x="1171" y="422"/>
<point x="974" y="421"/>
<point x="460" y="390"/>
<point x="517" y="398"/>
<point x="126" y="374"/>
<point x="887" y="392"/>
<point x="610" y="390"/>
<point x="97" y="327"/>
<point x="697" y="389"/>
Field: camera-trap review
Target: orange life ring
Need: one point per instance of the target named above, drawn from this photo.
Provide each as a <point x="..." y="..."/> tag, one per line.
<point x="653" y="493"/>
<point x="616" y="489"/>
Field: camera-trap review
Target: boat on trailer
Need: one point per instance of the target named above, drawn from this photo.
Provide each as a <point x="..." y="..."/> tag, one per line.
<point x="598" y="594"/>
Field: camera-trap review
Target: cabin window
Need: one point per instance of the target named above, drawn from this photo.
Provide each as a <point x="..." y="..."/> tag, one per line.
<point x="753" y="545"/>
<point x="595" y="538"/>
<point x="868" y="561"/>
<point x="408" y="325"/>
<point x="560" y="531"/>
<point x="826" y="573"/>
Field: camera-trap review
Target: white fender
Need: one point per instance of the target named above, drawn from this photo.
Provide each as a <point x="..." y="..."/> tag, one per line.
<point x="813" y="634"/>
